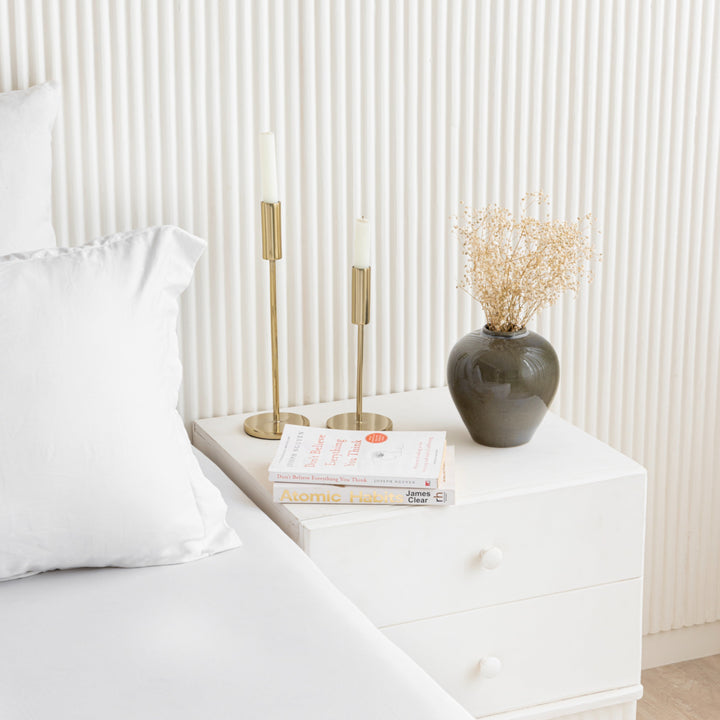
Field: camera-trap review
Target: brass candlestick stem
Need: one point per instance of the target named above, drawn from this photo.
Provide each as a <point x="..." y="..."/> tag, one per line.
<point x="269" y="426"/>
<point x="360" y="315"/>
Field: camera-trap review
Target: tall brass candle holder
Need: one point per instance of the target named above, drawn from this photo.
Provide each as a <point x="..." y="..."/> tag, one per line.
<point x="360" y="302"/>
<point x="269" y="425"/>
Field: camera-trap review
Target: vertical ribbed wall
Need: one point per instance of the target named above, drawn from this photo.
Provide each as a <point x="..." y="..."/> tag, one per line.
<point x="399" y="110"/>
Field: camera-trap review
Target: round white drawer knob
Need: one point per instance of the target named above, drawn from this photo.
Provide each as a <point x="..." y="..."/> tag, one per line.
<point x="490" y="667"/>
<point x="491" y="558"/>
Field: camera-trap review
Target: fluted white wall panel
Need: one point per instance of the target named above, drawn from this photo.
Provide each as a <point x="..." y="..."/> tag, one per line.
<point x="399" y="111"/>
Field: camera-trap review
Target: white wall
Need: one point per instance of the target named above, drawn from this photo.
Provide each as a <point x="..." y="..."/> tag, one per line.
<point x="399" y="110"/>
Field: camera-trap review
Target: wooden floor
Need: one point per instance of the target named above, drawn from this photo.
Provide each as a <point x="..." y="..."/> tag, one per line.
<point x="686" y="691"/>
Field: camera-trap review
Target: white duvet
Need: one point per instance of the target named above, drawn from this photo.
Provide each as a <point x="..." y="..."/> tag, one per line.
<point x="253" y="633"/>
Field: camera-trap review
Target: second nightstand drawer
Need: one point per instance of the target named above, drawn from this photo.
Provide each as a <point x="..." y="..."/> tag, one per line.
<point x="421" y="563"/>
<point x="531" y="652"/>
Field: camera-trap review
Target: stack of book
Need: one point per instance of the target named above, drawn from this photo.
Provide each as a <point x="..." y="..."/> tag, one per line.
<point x="353" y="467"/>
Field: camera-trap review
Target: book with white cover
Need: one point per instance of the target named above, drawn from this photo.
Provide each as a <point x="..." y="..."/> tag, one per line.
<point x="309" y="494"/>
<point x="356" y="457"/>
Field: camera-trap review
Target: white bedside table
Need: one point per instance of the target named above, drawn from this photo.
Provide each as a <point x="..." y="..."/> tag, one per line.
<point x="523" y="600"/>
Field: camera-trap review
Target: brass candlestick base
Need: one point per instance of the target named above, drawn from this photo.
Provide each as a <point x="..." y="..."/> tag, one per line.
<point x="366" y="421"/>
<point x="267" y="427"/>
<point x="360" y="420"/>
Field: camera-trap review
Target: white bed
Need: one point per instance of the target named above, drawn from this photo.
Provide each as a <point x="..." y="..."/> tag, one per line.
<point x="256" y="632"/>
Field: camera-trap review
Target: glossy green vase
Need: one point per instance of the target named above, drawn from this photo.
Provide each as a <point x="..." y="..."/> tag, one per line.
<point x="502" y="384"/>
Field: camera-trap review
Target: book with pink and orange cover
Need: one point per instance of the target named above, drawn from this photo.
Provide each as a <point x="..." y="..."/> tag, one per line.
<point x="392" y="459"/>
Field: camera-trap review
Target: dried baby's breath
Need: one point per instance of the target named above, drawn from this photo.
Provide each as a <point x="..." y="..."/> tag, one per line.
<point x="516" y="267"/>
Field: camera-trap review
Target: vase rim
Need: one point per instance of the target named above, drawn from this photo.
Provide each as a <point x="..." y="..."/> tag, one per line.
<point x="514" y="334"/>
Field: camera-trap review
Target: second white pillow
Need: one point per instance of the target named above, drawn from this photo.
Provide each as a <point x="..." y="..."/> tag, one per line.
<point x="26" y="121"/>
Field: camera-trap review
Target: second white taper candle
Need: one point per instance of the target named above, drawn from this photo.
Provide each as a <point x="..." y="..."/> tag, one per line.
<point x="268" y="168"/>
<point x="361" y="254"/>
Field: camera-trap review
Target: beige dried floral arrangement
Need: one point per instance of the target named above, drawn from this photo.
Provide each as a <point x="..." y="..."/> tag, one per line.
<point x="516" y="267"/>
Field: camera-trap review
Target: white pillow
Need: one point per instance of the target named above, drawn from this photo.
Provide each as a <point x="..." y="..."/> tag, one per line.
<point x="95" y="465"/>
<point x="26" y="122"/>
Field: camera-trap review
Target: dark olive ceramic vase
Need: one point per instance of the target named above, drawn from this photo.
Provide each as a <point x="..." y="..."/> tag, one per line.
<point x="502" y="384"/>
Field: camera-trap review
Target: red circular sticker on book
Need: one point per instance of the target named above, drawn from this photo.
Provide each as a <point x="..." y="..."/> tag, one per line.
<point x="376" y="437"/>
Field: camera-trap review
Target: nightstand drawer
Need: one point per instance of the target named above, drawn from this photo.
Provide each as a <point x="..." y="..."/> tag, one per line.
<point x="531" y="652"/>
<point x="419" y="563"/>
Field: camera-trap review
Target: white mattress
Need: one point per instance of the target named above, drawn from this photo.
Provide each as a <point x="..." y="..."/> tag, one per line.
<point x="256" y="632"/>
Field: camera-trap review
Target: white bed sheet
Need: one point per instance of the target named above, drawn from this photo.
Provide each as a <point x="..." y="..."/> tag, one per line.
<point x="253" y="633"/>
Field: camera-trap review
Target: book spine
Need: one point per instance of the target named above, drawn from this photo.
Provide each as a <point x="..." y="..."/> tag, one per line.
<point x="299" y="494"/>
<point x="356" y="480"/>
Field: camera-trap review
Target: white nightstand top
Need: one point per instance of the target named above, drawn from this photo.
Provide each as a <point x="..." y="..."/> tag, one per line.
<point x="558" y="456"/>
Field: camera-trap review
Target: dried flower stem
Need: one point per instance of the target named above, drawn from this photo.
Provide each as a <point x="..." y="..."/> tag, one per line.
<point x="516" y="267"/>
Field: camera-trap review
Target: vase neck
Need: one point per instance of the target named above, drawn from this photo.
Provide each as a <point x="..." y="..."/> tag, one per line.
<point x="516" y="334"/>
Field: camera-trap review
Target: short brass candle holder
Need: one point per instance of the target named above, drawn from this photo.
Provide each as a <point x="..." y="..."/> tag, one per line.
<point x="360" y="302"/>
<point x="269" y="425"/>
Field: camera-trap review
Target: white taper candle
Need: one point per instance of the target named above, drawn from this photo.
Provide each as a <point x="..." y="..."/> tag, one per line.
<point x="361" y="255"/>
<point x="268" y="168"/>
